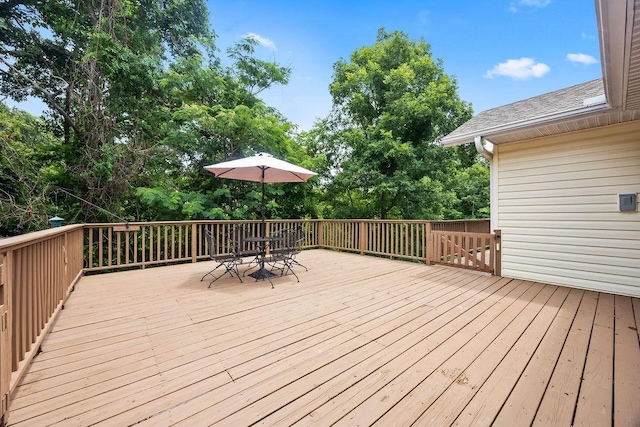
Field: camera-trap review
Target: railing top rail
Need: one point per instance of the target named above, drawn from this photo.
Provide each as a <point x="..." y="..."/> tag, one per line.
<point x="461" y="233"/>
<point x="405" y="221"/>
<point x="200" y="221"/>
<point x="26" y="239"/>
<point x="379" y="221"/>
<point x="36" y="236"/>
<point x="195" y="221"/>
<point x="449" y="221"/>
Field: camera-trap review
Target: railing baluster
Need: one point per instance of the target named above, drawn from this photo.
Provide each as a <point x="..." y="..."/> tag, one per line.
<point x="404" y="239"/>
<point x="110" y="246"/>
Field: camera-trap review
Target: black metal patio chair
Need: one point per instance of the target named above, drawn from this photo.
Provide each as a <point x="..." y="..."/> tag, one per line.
<point x="229" y="261"/>
<point x="298" y="241"/>
<point x="286" y="254"/>
<point x="244" y="249"/>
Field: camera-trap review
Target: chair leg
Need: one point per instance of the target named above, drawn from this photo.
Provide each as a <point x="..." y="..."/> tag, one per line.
<point x="288" y="267"/>
<point x="235" y="264"/>
<point x="211" y="272"/>
<point x="294" y="261"/>
<point x="297" y="263"/>
<point x="230" y="266"/>
<point x="249" y="268"/>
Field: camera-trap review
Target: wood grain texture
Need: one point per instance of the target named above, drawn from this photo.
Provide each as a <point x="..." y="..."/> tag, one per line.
<point x="359" y="341"/>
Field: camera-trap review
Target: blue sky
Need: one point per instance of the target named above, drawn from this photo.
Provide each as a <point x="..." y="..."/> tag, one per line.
<point x="500" y="51"/>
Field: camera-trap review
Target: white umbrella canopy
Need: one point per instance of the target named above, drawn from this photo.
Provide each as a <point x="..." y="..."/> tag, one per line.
<point x="262" y="167"/>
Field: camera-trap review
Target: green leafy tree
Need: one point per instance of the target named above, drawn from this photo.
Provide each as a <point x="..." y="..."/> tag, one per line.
<point x="141" y="103"/>
<point x="213" y="115"/>
<point x="392" y="104"/>
<point x="29" y="167"/>
<point x="96" y="64"/>
<point x="472" y="190"/>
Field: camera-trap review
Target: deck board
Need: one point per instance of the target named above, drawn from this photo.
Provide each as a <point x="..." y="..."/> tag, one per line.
<point x="595" y="400"/>
<point x="559" y="401"/>
<point x="455" y="395"/>
<point x="359" y="341"/>
<point x="626" y="364"/>
<point x="484" y="406"/>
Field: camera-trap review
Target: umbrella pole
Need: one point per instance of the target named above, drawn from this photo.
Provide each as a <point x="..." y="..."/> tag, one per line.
<point x="262" y="207"/>
<point x="263" y="210"/>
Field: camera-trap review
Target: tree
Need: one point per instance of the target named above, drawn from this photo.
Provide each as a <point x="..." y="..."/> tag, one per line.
<point x="213" y="115"/>
<point x="472" y="190"/>
<point x="141" y="103"/>
<point x="28" y="167"/>
<point x="392" y="104"/>
<point x="96" y="64"/>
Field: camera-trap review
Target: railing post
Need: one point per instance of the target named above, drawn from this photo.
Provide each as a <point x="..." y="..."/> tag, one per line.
<point x="65" y="274"/>
<point x="497" y="269"/>
<point x="363" y="237"/>
<point x="90" y="251"/>
<point x="429" y="249"/>
<point x="320" y="236"/>
<point x="6" y="345"/>
<point x="194" y="241"/>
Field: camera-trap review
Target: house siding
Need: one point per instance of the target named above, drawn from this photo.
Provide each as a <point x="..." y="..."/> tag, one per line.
<point x="557" y="207"/>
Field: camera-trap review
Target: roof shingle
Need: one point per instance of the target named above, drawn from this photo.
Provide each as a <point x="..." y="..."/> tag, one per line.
<point x="552" y="103"/>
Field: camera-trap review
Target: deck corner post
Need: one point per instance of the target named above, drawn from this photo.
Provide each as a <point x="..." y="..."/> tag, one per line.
<point x="497" y="269"/>
<point x="429" y="249"/>
<point x="4" y="409"/>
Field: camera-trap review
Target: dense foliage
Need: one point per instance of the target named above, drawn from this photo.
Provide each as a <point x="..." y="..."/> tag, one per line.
<point x="392" y="104"/>
<point x="139" y="101"/>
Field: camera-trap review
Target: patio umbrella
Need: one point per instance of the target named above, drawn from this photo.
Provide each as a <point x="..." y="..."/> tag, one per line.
<point x="262" y="168"/>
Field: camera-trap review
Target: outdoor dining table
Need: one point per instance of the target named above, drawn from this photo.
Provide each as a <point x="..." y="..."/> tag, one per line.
<point x="263" y="244"/>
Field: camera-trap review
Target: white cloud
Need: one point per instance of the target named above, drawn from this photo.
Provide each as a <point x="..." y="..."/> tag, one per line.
<point x="581" y="58"/>
<point x="519" y="69"/>
<point x="263" y="41"/>
<point x="534" y="3"/>
<point x="423" y="17"/>
<point x="586" y="36"/>
<point x="513" y="7"/>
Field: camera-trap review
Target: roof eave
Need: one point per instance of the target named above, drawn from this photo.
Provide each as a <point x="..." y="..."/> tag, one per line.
<point x="550" y="119"/>
<point x="615" y="30"/>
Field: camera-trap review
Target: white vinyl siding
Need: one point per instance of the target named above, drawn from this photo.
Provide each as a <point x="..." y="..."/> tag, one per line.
<point x="557" y="207"/>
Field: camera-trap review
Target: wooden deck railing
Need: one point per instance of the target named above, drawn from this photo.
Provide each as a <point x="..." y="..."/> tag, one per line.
<point x="392" y="238"/>
<point x="37" y="273"/>
<point x="117" y="246"/>
<point x="463" y="225"/>
<point x="39" y="270"/>
<point x="474" y="251"/>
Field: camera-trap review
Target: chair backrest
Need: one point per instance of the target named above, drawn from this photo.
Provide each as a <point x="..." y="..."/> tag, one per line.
<point x="238" y="238"/>
<point x="279" y="245"/>
<point x="298" y="239"/>
<point x="211" y="243"/>
<point x="289" y="241"/>
<point x="239" y="234"/>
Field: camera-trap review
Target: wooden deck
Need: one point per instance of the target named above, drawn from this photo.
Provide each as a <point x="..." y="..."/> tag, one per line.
<point x="359" y="341"/>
